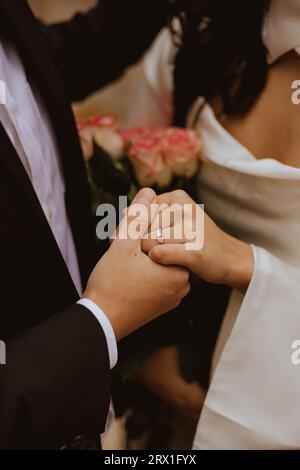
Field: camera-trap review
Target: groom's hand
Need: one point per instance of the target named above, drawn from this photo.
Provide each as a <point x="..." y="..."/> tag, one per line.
<point x="128" y="286"/>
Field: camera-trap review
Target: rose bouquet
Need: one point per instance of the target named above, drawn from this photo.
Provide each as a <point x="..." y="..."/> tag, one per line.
<point x="120" y="162"/>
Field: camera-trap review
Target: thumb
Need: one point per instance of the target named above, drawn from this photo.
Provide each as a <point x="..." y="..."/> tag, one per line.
<point x="170" y="255"/>
<point x="138" y="217"/>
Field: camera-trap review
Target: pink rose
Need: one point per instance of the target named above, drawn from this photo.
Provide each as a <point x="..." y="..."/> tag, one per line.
<point x="182" y="149"/>
<point x="130" y="136"/>
<point x="104" y="120"/>
<point x="146" y="155"/>
<point x="110" y="141"/>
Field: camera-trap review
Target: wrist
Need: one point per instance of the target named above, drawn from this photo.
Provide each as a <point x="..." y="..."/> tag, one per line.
<point x="240" y="264"/>
<point x="110" y="310"/>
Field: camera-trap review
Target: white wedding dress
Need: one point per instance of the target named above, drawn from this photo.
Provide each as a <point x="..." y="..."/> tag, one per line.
<point x="252" y="401"/>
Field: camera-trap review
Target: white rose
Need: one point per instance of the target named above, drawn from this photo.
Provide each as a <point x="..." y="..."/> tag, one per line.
<point x="110" y="141"/>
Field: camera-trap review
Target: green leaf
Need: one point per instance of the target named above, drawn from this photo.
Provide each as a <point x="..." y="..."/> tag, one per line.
<point x="108" y="175"/>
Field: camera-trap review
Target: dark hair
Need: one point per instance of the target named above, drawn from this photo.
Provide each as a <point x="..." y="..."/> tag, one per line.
<point x="220" y="50"/>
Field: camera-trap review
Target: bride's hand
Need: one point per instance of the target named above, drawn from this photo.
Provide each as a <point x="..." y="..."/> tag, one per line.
<point x="217" y="257"/>
<point x="160" y="374"/>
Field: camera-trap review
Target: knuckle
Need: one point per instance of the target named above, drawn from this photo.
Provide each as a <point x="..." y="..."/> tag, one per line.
<point x="179" y="194"/>
<point x="160" y="254"/>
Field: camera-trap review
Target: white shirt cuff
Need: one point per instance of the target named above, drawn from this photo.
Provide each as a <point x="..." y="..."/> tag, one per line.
<point x="107" y="328"/>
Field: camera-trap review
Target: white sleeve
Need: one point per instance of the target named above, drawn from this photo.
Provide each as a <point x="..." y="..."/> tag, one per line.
<point x="253" y="400"/>
<point x="106" y="327"/>
<point x="152" y="103"/>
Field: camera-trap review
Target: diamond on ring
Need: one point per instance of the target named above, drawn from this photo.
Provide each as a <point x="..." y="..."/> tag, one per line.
<point x="159" y="236"/>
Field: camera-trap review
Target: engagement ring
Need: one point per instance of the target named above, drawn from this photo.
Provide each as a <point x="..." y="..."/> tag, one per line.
<point x="159" y="236"/>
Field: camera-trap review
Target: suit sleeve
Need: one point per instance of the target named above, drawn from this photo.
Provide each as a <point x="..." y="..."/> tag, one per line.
<point x="55" y="385"/>
<point x="95" y="48"/>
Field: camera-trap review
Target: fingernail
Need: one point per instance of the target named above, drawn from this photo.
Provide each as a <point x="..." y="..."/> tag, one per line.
<point x="145" y="196"/>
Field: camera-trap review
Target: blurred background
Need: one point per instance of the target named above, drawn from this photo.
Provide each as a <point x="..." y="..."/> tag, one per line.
<point x="114" y="98"/>
<point x="55" y="10"/>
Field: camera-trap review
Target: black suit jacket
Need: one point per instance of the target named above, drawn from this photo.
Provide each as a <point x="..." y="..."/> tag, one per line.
<point x="56" y="383"/>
